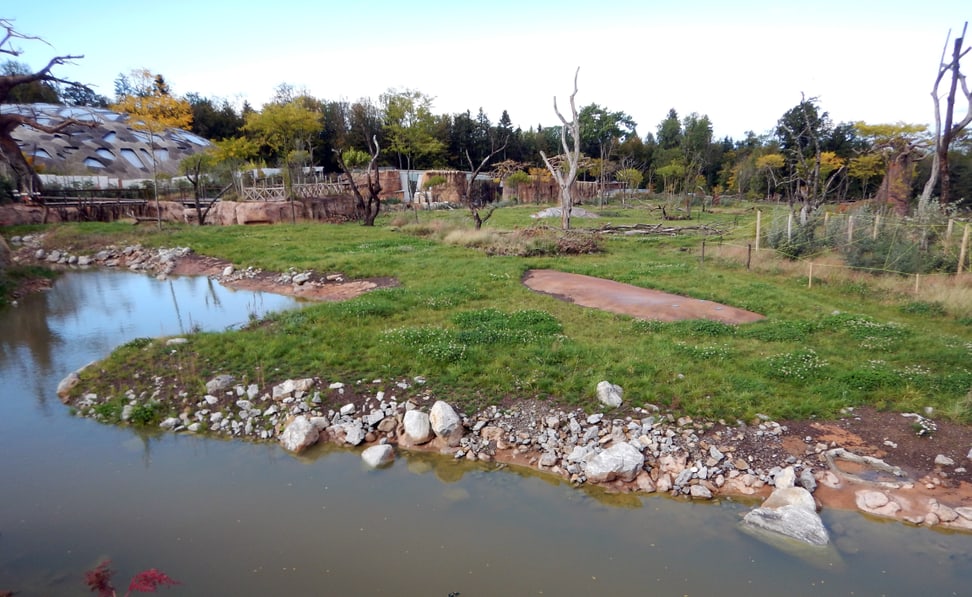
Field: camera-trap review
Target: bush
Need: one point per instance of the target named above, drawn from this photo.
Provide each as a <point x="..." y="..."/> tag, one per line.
<point x="895" y="252"/>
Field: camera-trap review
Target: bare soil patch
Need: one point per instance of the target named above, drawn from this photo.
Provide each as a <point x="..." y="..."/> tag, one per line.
<point x="626" y="299"/>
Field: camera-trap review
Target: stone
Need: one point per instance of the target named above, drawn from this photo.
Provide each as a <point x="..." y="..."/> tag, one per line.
<point x="377" y="456"/>
<point x="943" y="460"/>
<point x="700" y="492"/>
<point x="620" y="461"/>
<point x="418" y="428"/>
<point x="609" y="395"/>
<point x="176" y="341"/>
<point x="347" y="409"/>
<point x="228" y="271"/>
<point x="807" y="480"/>
<point x="290" y="386"/>
<point x="790" y="512"/>
<point x="299" y="435"/>
<point x="67" y="384"/>
<point x="219" y="383"/>
<point x="785" y="478"/>
<point x="169" y="423"/>
<point x="354" y="433"/>
<point x="445" y="422"/>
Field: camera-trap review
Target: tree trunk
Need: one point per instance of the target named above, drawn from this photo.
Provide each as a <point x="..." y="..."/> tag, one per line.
<point x="895" y="189"/>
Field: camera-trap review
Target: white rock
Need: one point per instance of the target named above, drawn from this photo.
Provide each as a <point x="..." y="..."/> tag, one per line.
<point x="620" y="461"/>
<point x="943" y="460"/>
<point x="790" y="512"/>
<point x="176" y="341"/>
<point x="354" y="434"/>
<point x="444" y="420"/>
<point x="66" y="384"/>
<point x="418" y="428"/>
<point x="609" y="395"/>
<point x="785" y="478"/>
<point x="347" y="409"/>
<point x="299" y="435"/>
<point x="290" y="386"/>
<point x="169" y="423"/>
<point x="700" y="492"/>
<point x="376" y="456"/>
<point x="219" y="383"/>
<point x="228" y="271"/>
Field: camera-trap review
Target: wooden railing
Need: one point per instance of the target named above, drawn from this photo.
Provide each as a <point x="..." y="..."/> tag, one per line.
<point x="302" y="191"/>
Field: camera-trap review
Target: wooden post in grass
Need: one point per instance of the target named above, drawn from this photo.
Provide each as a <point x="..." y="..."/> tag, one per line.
<point x="964" y="250"/>
<point x="917" y="277"/>
<point x="850" y="230"/>
<point x="749" y="256"/>
<point x="877" y="222"/>
<point x="826" y="218"/>
<point x="948" y="231"/>
<point x="703" y="251"/>
<point x="789" y="228"/>
<point x="810" y="276"/>
<point x="759" y="225"/>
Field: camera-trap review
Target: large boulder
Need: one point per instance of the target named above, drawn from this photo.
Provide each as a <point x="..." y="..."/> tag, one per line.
<point x="790" y="512"/>
<point x="418" y="428"/>
<point x="300" y="434"/>
<point x="609" y="394"/>
<point x="379" y="455"/>
<point x="620" y="461"/>
<point x="445" y="422"/>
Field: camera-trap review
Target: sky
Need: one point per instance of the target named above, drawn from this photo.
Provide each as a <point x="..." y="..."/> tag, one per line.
<point x="742" y="63"/>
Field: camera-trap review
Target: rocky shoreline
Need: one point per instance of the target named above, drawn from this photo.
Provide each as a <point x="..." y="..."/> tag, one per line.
<point x="623" y="449"/>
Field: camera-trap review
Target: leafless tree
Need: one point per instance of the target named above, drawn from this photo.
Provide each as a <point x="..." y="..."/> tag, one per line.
<point x="565" y="180"/>
<point x="946" y="132"/>
<point x="370" y="208"/>
<point x="466" y="186"/>
<point x="27" y="181"/>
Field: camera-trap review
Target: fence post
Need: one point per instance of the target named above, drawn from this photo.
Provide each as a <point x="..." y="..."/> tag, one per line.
<point x="877" y="222"/>
<point x="759" y="224"/>
<point x="948" y="230"/>
<point x="703" y="251"/>
<point x="917" y="278"/>
<point x="749" y="255"/>
<point x="810" y="277"/>
<point x="964" y="250"/>
<point x="789" y="228"/>
<point x="850" y="230"/>
<point x="826" y="218"/>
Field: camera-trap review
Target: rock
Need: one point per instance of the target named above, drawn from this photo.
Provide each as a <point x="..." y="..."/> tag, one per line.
<point x="299" y="435"/>
<point x="354" y="434"/>
<point x="876" y="502"/>
<point x="290" y="386"/>
<point x="609" y="395"/>
<point x="807" y="480"/>
<point x="700" y="492"/>
<point x="445" y="422"/>
<point x="785" y="478"/>
<point x="347" y="409"/>
<point x="943" y="460"/>
<point x="228" y="271"/>
<point x="176" y="341"/>
<point x="376" y="456"/>
<point x="170" y="423"/>
<point x="620" y="461"/>
<point x="790" y="512"/>
<point x="219" y="383"/>
<point x="418" y="428"/>
<point x="66" y="384"/>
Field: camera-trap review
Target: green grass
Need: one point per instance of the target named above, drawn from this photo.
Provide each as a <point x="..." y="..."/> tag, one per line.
<point x="463" y="320"/>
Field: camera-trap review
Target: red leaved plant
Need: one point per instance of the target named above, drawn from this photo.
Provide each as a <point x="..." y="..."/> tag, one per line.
<point x="147" y="581"/>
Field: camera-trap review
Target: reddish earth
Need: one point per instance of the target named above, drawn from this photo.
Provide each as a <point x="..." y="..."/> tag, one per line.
<point x="626" y="299"/>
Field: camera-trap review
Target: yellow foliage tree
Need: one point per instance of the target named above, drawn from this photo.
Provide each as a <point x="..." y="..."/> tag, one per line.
<point x="152" y="109"/>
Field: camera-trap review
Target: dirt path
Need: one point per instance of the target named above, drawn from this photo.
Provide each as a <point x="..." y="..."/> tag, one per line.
<point x="631" y="300"/>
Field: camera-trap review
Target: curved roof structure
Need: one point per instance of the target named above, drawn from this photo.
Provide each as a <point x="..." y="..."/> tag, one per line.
<point x="111" y="147"/>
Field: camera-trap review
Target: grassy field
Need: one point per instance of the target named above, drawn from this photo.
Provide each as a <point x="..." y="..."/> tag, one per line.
<point x="462" y="319"/>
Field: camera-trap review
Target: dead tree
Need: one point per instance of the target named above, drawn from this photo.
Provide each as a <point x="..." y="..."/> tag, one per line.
<point x="26" y="179"/>
<point x="466" y="186"/>
<point x="946" y="132"/>
<point x="368" y="209"/>
<point x="565" y="180"/>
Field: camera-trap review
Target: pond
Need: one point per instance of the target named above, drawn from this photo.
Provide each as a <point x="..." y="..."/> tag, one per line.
<point x="235" y="518"/>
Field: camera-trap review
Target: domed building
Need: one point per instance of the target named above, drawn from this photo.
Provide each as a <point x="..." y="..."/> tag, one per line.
<point x="110" y="147"/>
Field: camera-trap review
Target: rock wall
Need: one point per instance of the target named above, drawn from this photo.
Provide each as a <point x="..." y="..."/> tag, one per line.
<point x="548" y="192"/>
<point x="224" y="213"/>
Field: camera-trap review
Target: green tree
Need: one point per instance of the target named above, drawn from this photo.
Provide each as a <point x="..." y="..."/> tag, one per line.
<point x="409" y="126"/>
<point x="601" y="130"/>
<point x="34" y="92"/>
<point x="899" y="147"/>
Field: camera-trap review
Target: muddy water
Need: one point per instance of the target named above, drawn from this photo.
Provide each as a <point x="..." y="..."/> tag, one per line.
<point x="229" y="518"/>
